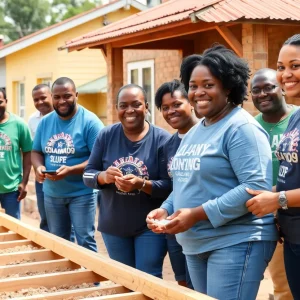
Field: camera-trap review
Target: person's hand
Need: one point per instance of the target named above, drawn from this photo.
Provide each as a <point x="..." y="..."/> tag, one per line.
<point x="110" y="175"/>
<point x="129" y="183"/>
<point x="61" y="173"/>
<point x="39" y="176"/>
<point x="182" y="220"/>
<point x="156" y="214"/>
<point x="263" y="203"/>
<point x="22" y="190"/>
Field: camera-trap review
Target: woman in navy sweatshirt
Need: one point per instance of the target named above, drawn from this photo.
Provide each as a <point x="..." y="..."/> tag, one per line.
<point x="126" y="165"/>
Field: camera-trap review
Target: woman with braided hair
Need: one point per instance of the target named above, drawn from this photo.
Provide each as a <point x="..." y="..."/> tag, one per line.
<point x="286" y="198"/>
<point x="227" y="248"/>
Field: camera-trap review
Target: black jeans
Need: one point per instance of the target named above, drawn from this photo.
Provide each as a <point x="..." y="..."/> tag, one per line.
<point x="292" y="267"/>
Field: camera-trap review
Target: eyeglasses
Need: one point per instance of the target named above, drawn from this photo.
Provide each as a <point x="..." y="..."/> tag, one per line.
<point x="266" y="90"/>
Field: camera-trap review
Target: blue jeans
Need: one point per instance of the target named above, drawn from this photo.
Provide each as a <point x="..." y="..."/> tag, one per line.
<point x="145" y="252"/>
<point x="178" y="261"/>
<point x="233" y="272"/>
<point x="292" y="267"/>
<point x="79" y="211"/>
<point x="9" y="201"/>
<point x="41" y="205"/>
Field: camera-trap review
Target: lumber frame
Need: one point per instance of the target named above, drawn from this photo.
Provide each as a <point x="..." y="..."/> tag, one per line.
<point x="37" y="255"/>
<point x="130" y="278"/>
<point x="12" y="244"/>
<point x="37" y="267"/>
<point x="10" y="236"/>
<point x="3" y="229"/>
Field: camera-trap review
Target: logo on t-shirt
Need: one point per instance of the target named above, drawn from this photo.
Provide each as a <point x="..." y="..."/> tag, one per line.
<point x="5" y="144"/>
<point x="169" y="167"/>
<point x="59" y="146"/>
<point x="132" y="165"/>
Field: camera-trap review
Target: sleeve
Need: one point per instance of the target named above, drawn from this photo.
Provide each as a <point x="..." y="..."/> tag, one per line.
<point x="25" y="138"/>
<point x="37" y="138"/>
<point x="249" y="154"/>
<point x="95" y="165"/>
<point x="95" y="128"/>
<point x="168" y="204"/>
<point x="162" y="187"/>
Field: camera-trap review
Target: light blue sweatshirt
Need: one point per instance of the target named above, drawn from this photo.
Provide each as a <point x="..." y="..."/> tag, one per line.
<point x="212" y="167"/>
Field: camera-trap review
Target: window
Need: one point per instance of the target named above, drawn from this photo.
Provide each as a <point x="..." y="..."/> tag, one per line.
<point x="21" y="99"/>
<point x="47" y="81"/>
<point x="142" y="73"/>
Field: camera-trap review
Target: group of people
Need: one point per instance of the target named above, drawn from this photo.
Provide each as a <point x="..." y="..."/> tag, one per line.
<point x="208" y="195"/>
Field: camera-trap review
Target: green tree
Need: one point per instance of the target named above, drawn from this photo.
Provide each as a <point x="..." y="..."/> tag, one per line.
<point x="24" y="17"/>
<point x="64" y="9"/>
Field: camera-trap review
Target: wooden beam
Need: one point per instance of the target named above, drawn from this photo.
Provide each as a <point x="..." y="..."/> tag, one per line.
<point x="50" y="280"/>
<point x="116" y="288"/>
<point x="131" y="278"/>
<point x="12" y="244"/>
<point x="10" y="236"/>
<point x="41" y="266"/>
<point x="162" y="34"/>
<point x="36" y="255"/>
<point x="3" y="229"/>
<point x="128" y="296"/>
<point x="231" y="39"/>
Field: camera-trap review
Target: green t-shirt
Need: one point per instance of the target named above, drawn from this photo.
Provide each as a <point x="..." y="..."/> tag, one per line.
<point x="275" y="131"/>
<point x="14" y="139"/>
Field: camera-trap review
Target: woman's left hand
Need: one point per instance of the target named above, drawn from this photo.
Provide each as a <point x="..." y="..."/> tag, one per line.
<point x="263" y="203"/>
<point x="182" y="220"/>
<point x="128" y="183"/>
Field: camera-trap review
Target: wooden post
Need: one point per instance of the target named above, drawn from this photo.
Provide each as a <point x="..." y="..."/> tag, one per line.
<point x="114" y="80"/>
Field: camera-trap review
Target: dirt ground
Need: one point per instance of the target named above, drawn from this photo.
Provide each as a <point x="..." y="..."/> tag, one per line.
<point x="266" y="287"/>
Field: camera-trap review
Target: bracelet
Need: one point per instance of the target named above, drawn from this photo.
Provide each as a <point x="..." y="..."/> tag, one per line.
<point x="144" y="183"/>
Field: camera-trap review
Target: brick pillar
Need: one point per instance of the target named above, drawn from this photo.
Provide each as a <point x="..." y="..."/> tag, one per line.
<point x="255" y="51"/>
<point x="114" y="81"/>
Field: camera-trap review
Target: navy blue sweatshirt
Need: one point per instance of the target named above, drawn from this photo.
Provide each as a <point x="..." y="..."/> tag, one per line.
<point x="121" y="213"/>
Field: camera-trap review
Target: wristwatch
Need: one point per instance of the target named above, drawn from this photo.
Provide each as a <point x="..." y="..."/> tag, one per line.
<point x="282" y="200"/>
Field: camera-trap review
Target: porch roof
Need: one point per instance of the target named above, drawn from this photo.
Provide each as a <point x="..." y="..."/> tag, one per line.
<point x="176" y="13"/>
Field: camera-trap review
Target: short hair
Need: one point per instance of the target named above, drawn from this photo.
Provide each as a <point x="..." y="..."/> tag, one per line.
<point x="293" y="40"/>
<point x="63" y="81"/>
<point x="2" y="90"/>
<point x="132" y="85"/>
<point x="262" y="72"/>
<point x="41" y="86"/>
<point x="225" y="65"/>
<point x="169" y="87"/>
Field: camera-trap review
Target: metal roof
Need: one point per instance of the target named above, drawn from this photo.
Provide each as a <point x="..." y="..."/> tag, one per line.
<point x="98" y="85"/>
<point x="176" y="11"/>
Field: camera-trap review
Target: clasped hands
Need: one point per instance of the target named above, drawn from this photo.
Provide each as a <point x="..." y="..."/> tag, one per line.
<point x="124" y="183"/>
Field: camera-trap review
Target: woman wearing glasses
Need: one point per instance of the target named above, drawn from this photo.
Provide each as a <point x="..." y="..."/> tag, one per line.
<point x="287" y="196"/>
<point x="227" y="249"/>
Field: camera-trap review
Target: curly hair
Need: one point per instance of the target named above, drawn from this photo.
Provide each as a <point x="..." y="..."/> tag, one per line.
<point x="293" y="40"/>
<point x="225" y="65"/>
<point x="169" y="87"/>
<point x="132" y="85"/>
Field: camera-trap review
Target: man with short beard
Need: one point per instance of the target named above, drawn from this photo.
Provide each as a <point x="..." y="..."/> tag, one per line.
<point x="61" y="148"/>
<point x="42" y="100"/>
<point x="15" y="165"/>
<point x="274" y="116"/>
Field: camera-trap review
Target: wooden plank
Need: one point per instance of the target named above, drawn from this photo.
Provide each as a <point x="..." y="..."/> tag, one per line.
<point x="128" y="296"/>
<point x="36" y="255"/>
<point x="131" y="278"/>
<point x="37" y="267"/>
<point x="12" y="244"/>
<point x="116" y="288"/>
<point x="3" y="229"/>
<point x="231" y="39"/>
<point x="50" y="280"/>
<point x="10" y="236"/>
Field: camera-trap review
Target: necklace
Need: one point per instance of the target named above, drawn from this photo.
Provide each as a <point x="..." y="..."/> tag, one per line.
<point x="283" y="117"/>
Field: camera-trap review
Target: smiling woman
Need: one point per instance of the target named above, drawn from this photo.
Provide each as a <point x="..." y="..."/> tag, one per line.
<point x="227" y="249"/>
<point x="125" y="164"/>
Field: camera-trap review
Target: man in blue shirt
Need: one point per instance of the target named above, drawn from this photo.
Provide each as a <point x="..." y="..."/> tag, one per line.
<point x="62" y="145"/>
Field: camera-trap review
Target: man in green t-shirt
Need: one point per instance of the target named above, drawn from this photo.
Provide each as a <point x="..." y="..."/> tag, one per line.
<point x="274" y="116"/>
<point x="15" y="160"/>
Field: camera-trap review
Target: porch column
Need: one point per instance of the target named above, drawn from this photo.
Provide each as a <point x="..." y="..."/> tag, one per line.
<point x="114" y="80"/>
<point x="255" y="51"/>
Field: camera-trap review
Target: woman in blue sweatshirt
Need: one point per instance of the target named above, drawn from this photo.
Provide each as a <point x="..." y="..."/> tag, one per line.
<point x="226" y="247"/>
<point x="125" y="164"/>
